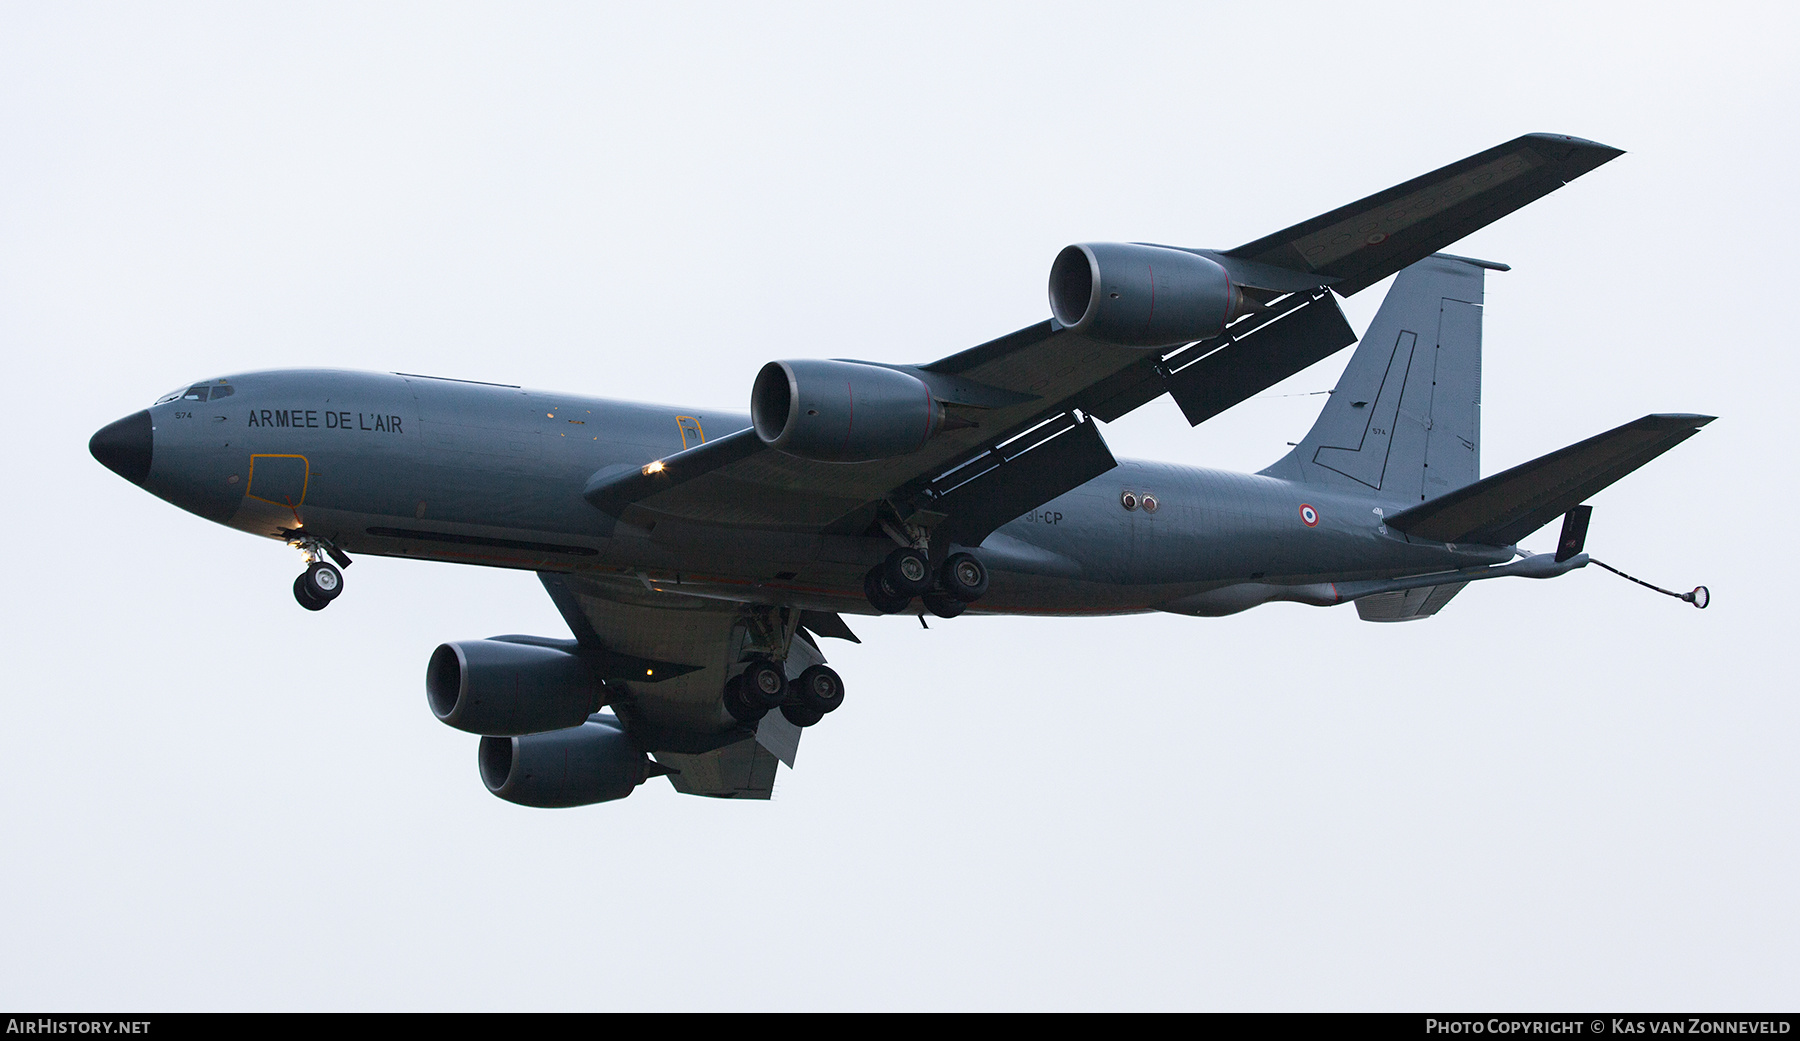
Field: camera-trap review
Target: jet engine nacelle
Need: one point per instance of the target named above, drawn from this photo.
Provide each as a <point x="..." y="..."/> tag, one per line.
<point x="1141" y="296"/>
<point x="501" y="688"/>
<point x="593" y="762"/>
<point x="842" y="411"/>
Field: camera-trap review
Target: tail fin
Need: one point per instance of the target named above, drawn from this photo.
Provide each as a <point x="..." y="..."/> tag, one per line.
<point x="1404" y="422"/>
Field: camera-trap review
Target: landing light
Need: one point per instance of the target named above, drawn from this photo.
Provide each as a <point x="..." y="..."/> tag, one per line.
<point x="649" y="672"/>
<point x="653" y="468"/>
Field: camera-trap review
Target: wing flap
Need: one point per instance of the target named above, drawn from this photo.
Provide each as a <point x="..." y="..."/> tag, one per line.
<point x="1012" y="481"/>
<point x="1269" y="353"/>
<point x="741" y="770"/>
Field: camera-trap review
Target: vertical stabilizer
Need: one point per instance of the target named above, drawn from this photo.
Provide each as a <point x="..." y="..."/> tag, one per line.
<point x="1404" y="422"/>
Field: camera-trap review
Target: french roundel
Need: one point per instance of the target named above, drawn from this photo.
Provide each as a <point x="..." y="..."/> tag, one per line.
<point x="1309" y="516"/>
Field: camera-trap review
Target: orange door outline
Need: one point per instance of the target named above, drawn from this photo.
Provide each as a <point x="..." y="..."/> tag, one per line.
<point x="250" y="482"/>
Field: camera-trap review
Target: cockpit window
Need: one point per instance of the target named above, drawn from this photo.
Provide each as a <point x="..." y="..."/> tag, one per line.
<point x="198" y="392"/>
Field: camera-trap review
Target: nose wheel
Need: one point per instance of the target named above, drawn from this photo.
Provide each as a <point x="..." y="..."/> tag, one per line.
<point x="322" y="581"/>
<point x="318" y="585"/>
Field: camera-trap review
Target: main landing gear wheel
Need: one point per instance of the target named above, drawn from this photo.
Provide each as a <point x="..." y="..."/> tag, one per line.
<point x="765" y="683"/>
<point x="740" y="704"/>
<point x="801" y="716"/>
<point x="943" y="605"/>
<point x="818" y="689"/>
<point x="881" y="593"/>
<point x="963" y="577"/>
<point x="908" y="572"/>
<point x="318" y="585"/>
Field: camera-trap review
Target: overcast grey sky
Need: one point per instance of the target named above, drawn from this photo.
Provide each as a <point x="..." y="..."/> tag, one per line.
<point x="1566" y="795"/>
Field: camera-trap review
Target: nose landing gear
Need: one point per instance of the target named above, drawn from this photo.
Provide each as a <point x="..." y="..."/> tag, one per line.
<point x="318" y="585"/>
<point x="322" y="581"/>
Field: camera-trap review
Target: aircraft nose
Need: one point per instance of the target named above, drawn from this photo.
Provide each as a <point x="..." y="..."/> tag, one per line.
<point x="124" y="447"/>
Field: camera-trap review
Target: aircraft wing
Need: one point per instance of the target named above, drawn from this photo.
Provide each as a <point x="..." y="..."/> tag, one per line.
<point x="675" y="713"/>
<point x="1023" y="444"/>
<point x="1025" y="404"/>
<point x="1357" y="245"/>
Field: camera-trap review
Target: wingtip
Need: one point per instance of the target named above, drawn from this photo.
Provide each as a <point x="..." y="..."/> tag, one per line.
<point x="1491" y="265"/>
<point x="1567" y="146"/>
<point x="1675" y="420"/>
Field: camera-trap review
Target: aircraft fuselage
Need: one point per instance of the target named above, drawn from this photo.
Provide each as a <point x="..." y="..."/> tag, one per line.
<point x="437" y="469"/>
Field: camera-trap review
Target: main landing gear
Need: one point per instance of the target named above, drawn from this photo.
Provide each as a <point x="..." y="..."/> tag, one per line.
<point x="769" y="645"/>
<point x="906" y="573"/>
<point x="764" y="686"/>
<point x="322" y="581"/>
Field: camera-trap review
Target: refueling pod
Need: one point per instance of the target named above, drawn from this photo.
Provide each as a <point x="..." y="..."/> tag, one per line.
<point x="1135" y="295"/>
<point x="842" y="411"/>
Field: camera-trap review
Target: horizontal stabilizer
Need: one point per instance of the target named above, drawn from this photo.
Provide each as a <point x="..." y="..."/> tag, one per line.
<point x="1355" y="246"/>
<point x="1504" y="508"/>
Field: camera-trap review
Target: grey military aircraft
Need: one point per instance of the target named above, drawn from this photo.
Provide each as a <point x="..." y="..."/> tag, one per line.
<point x="699" y="557"/>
